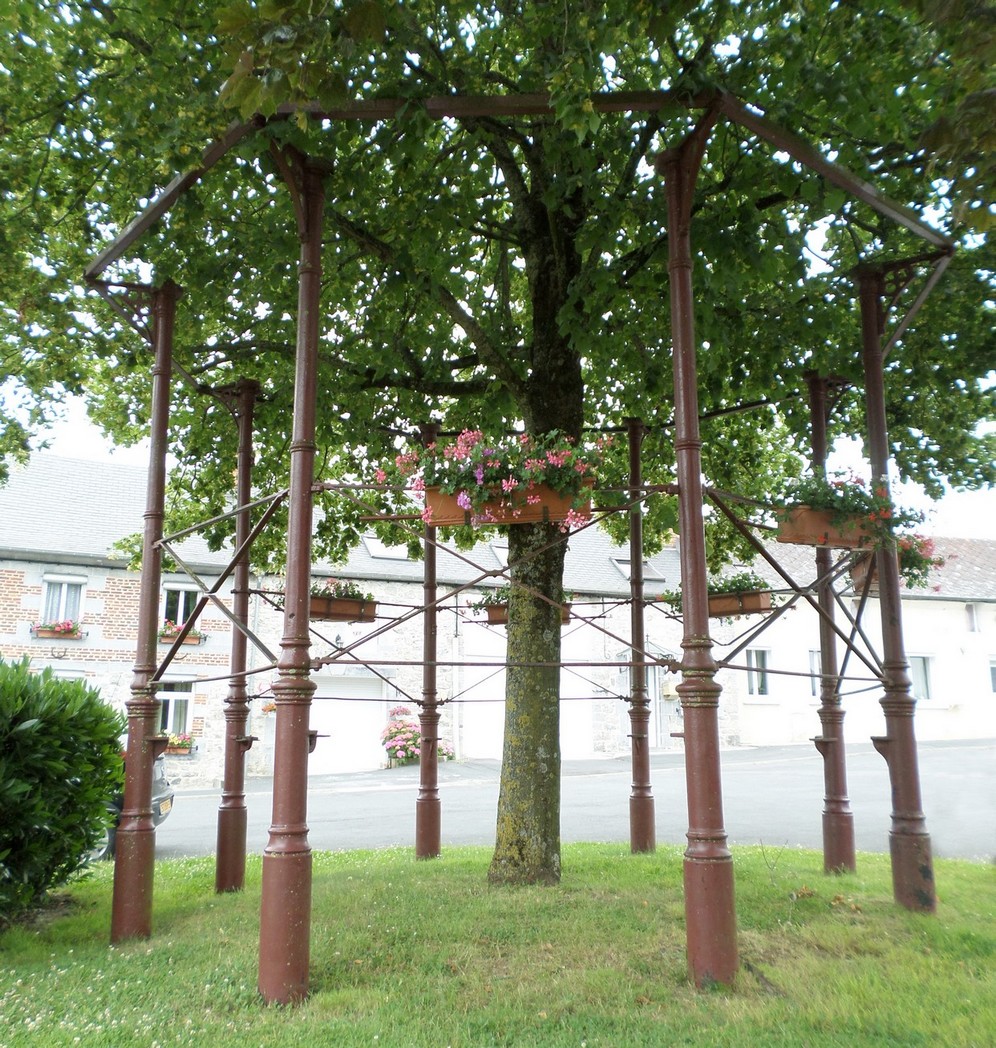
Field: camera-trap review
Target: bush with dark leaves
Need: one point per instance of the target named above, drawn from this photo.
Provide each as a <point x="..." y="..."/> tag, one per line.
<point x="60" y="762"/>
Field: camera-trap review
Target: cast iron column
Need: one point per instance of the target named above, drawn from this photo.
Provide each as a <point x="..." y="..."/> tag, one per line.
<point x="230" y="866"/>
<point x="642" y="828"/>
<point x="427" y="807"/>
<point x="711" y="928"/>
<point x="909" y="842"/>
<point x="284" y="936"/>
<point x="838" y="822"/>
<point x="134" y="863"/>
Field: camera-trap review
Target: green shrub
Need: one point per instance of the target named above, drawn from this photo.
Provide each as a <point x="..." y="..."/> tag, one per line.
<point x="60" y="762"/>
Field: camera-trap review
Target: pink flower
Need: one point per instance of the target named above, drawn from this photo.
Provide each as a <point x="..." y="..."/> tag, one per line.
<point x="573" y="519"/>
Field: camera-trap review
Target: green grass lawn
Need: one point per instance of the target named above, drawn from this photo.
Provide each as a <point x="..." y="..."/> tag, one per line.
<point x="408" y="954"/>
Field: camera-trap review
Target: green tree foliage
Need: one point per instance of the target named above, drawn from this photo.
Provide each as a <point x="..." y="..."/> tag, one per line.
<point x="60" y="763"/>
<point x="494" y="271"/>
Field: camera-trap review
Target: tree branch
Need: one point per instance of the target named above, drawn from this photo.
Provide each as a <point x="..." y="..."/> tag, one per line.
<point x="433" y="289"/>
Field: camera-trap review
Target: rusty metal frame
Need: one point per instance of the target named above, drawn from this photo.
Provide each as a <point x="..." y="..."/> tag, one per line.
<point x="711" y="926"/>
<point x="465" y="106"/>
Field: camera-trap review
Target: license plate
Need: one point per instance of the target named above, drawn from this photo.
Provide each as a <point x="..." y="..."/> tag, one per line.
<point x="165" y="806"/>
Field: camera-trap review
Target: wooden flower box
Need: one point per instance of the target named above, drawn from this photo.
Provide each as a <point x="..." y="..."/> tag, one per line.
<point x="58" y="634"/>
<point x="749" y="602"/>
<point x="343" y="609"/>
<point x="498" y="614"/>
<point x="805" y="526"/>
<point x="552" y="506"/>
<point x="861" y="570"/>
<point x="178" y="751"/>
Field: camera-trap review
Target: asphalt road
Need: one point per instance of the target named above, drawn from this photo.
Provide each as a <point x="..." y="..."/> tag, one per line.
<point x="772" y="796"/>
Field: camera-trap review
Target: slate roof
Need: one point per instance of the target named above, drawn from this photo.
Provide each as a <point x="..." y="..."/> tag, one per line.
<point x="73" y="510"/>
<point x="968" y="573"/>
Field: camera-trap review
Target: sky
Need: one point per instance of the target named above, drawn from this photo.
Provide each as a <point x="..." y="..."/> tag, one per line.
<point x="958" y="515"/>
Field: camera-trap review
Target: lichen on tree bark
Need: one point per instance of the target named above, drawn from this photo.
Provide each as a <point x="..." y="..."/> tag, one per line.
<point x="527" y="840"/>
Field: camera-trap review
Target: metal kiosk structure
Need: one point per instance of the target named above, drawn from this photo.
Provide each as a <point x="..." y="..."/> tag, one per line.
<point x="708" y="870"/>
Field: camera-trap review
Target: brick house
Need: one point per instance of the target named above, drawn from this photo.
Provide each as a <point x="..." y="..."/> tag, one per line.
<point x="60" y="518"/>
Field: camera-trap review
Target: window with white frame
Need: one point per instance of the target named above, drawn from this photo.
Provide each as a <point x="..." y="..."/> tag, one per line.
<point x="62" y="598"/>
<point x="179" y="603"/>
<point x="757" y="671"/>
<point x="920" y="675"/>
<point x="174" y="715"/>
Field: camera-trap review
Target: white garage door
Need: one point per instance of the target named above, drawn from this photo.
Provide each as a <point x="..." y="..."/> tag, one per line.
<point x="349" y="714"/>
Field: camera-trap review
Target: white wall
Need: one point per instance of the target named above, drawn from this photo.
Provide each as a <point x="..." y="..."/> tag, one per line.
<point x="958" y="650"/>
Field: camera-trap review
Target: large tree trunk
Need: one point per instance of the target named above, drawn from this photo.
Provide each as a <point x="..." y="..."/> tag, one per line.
<point x="527" y="843"/>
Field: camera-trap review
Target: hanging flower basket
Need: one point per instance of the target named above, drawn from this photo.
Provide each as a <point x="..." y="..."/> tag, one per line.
<point x="916" y="561"/>
<point x="483" y="482"/>
<point x="805" y="526"/>
<point x="749" y="602"/>
<point x="860" y="570"/>
<point x="343" y="609"/>
<point x="526" y="506"/>
<point x="498" y="614"/>
<point x="841" y="512"/>
<point x="743" y="593"/>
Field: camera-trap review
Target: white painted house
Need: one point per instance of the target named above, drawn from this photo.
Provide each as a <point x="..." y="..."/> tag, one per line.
<point x="59" y="519"/>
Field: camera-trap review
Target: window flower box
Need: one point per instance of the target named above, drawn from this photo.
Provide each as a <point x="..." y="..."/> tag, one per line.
<point x="169" y="631"/>
<point x="67" y="630"/>
<point x="191" y="638"/>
